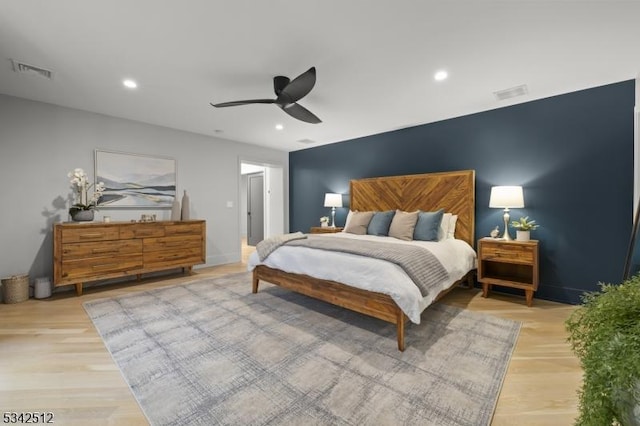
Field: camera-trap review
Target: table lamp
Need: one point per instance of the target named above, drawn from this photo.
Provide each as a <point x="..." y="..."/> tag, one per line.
<point x="506" y="197"/>
<point x="333" y="201"/>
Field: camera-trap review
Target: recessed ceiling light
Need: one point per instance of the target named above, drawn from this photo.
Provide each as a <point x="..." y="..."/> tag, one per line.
<point x="441" y="75"/>
<point x="130" y="84"/>
<point x="279" y="127"/>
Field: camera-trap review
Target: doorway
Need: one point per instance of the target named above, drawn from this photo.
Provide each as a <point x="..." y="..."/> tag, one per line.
<point x="262" y="203"/>
<point x="255" y="208"/>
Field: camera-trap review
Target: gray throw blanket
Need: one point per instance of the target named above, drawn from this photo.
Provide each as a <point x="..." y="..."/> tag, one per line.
<point x="420" y="264"/>
<point x="266" y="247"/>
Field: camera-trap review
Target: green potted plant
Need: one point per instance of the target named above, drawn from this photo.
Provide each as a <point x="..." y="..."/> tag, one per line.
<point x="523" y="227"/>
<point x="605" y="335"/>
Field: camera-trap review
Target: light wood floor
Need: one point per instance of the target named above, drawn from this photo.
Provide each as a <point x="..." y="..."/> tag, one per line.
<point x="52" y="358"/>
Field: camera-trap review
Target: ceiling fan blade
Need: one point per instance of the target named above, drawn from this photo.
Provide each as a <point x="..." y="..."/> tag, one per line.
<point x="299" y="87"/>
<point x="247" y="102"/>
<point x="301" y="113"/>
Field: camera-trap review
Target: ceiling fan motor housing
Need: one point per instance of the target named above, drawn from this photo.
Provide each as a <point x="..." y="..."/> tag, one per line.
<point x="279" y="83"/>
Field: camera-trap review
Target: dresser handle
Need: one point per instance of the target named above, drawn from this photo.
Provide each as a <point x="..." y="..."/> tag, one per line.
<point x="172" y="245"/>
<point x="183" y="231"/>
<point x="105" y="265"/>
<point x="94" y="235"/>
<point x="104" y="251"/>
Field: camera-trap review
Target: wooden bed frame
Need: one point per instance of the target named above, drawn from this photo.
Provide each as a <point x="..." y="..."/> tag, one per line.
<point x="452" y="191"/>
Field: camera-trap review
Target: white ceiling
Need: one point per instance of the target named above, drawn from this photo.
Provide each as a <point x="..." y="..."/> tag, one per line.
<point x="375" y="59"/>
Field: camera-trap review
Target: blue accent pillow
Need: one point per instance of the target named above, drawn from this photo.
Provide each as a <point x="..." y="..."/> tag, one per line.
<point x="428" y="225"/>
<point x="380" y="223"/>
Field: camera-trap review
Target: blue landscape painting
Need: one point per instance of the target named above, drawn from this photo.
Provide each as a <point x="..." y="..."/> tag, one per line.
<point x="133" y="180"/>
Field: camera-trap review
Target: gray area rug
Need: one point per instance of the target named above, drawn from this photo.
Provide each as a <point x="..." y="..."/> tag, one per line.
<point x="211" y="352"/>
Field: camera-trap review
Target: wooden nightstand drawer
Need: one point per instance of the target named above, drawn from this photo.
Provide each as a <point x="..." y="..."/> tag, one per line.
<point x="507" y="253"/>
<point x="325" y="229"/>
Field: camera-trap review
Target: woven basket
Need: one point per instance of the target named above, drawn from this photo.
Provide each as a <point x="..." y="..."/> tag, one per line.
<point x="15" y="289"/>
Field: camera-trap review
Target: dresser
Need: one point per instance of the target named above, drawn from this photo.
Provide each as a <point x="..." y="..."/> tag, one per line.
<point x="84" y="252"/>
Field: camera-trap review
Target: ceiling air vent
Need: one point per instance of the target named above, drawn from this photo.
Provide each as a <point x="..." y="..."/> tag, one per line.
<point x="512" y="92"/>
<point x="306" y="141"/>
<point x="22" y="68"/>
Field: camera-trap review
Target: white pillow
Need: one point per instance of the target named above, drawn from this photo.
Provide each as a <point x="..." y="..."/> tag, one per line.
<point x="346" y="222"/>
<point x="451" y="233"/>
<point x="443" y="232"/>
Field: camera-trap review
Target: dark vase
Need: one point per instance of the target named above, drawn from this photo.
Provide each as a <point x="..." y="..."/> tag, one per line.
<point x="82" y="216"/>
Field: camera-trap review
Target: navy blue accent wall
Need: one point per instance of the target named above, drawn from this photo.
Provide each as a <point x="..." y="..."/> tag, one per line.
<point x="573" y="155"/>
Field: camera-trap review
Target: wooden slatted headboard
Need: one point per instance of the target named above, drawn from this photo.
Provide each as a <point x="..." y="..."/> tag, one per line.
<point x="452" y="191"/>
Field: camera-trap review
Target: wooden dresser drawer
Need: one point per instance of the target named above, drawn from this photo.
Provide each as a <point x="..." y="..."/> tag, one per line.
<point x="90" y="233"/>
<point x="174" y="243"/>
<point x="184" y="229"/>
<point x="507" y="253"/>
<point x="100" y="249"/>
<point x="142" y="230"/>
<point x="96" y="266"/>
<point x="187" y="256"/>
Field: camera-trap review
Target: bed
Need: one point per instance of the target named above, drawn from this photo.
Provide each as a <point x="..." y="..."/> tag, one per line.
<point x="350" y="287"/>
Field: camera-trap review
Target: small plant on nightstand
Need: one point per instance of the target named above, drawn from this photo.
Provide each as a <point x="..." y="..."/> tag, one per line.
<point x="523" y="227"/>
<point x="324" y="221"/>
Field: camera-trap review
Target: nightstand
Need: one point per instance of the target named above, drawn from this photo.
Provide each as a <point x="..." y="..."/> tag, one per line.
<point x="509" y="264"/>
<point x="325" y="229"/>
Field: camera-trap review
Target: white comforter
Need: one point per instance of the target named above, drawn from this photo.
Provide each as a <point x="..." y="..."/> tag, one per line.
<point x="371" y="274"/>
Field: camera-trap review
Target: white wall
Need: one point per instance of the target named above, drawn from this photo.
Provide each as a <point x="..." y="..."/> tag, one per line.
<point x="40" y="143"/>
<point x="274" y="200"/>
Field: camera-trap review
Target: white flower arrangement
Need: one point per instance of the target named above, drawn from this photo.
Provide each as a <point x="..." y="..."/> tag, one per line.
<point x="324" y="219"/>
<point x="80" y="184"/>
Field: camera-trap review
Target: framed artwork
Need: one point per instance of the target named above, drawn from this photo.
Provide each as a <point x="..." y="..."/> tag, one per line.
<point x="133" y="180"/>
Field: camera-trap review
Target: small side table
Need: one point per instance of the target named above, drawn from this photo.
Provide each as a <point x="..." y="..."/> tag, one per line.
<point x="325" y="229"/>
<point x="509" y="264"/>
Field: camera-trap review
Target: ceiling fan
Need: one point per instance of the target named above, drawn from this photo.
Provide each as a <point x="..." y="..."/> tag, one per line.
<point x="288" y="93"/>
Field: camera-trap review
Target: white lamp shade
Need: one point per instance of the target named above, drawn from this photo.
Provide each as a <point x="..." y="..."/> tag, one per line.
<point x="506" y="197"/>
<point x="332" y="200"/>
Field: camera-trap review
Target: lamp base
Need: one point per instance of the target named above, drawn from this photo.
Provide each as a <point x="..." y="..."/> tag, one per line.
<point x="506" y="235"/>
